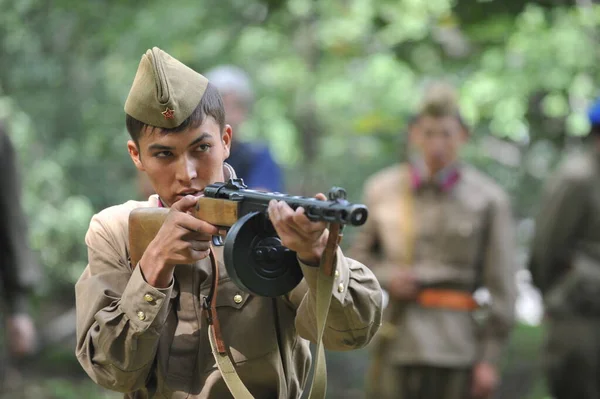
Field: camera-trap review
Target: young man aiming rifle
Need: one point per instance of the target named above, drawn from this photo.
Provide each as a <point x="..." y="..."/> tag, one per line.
<point x="141" y="328"/>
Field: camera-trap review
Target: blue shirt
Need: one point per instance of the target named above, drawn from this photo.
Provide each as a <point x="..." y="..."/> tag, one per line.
<point x="253" y="163"/>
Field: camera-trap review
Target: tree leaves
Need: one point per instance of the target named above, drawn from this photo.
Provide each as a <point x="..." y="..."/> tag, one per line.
<point x="338" y="79"/>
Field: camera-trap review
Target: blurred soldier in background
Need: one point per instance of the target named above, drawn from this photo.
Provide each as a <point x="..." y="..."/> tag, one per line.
<point x="252" y="162"/>
<point x="565" y="265"/>
<point x="18" y="269"/>
<point x="438" y="230"/>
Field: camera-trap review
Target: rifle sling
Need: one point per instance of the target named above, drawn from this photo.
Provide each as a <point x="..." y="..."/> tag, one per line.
<point x="325" y="282"/>
<point x="217" y="345"/>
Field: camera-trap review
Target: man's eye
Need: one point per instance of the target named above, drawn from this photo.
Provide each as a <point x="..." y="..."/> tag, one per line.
<point x="163" y="154"/>
<point x="203" y="147"/>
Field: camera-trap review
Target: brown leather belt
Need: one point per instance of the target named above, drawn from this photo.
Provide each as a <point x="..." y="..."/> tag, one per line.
<point x="446" y="299"/>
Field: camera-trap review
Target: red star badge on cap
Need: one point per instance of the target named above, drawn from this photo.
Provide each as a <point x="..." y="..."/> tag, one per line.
<point x="168" y="113"/>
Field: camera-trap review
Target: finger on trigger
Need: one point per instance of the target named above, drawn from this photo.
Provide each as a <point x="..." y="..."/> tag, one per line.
<point x="196" y="236"/>
<point x="200" y="226"/>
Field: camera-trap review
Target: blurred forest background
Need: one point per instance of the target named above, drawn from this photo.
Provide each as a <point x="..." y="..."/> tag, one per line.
<point x="335" y="83"/>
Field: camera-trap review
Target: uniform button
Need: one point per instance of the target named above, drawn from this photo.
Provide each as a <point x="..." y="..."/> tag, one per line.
<point x="148" y="298"/>
<point x="141" y="315"/>
<point x="237" y="298"/>
<point x="341" y="288"/>
<point x="337" y="273"/>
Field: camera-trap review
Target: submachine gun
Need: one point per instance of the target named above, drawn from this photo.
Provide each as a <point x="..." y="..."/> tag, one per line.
<point x="254" y="256"/>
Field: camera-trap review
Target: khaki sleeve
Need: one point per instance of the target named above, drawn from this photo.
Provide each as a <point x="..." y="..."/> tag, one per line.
<point x="119" y="316"/>
<point x="498" y="276"/>
<point x="562" y="210"/>
<point x="355" y="310"/>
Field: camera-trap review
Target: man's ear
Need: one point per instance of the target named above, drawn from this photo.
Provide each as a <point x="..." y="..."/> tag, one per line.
<point x="134" y="153"/>
<point x="226" y="139"/>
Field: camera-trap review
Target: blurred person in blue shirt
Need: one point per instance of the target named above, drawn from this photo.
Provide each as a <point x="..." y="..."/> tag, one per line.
<point x="252" y="162"/>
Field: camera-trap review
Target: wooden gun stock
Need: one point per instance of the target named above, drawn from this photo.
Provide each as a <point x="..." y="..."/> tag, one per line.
<point x="144" y="223"/>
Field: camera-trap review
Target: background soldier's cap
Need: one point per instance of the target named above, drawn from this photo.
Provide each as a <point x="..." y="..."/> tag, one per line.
<point x="164" y="92"/>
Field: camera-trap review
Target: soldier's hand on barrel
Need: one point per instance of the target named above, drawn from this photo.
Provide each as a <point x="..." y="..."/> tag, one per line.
<point x="182" y="239"/>
<point x="404" y="285"/>
<point x="485" y="380"/>
<point x="308" y="239"/>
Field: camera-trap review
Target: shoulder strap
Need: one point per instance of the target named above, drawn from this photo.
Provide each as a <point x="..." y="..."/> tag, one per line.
<point x="407" y="217"/>
<point x="388" y="330"/>
<point x="407" y="226"/>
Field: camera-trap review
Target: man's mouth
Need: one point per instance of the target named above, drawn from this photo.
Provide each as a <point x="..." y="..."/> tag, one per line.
<point x="195" y="193"/>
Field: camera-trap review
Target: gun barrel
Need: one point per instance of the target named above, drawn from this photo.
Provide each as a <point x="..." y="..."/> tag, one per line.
<point x="336" y="211"/>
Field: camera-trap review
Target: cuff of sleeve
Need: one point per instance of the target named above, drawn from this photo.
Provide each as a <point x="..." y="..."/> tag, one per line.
<point x="145" y="305"/>
<point x="491" y="350"/>
<point x="341" y="276"/>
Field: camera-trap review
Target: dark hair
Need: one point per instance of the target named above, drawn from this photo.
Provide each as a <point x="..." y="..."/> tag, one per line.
<point x="441" y="100"/>
<point x="211" y="104"/>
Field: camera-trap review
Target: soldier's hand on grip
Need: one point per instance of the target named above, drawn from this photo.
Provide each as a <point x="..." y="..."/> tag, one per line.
<point x="182" y="239"/>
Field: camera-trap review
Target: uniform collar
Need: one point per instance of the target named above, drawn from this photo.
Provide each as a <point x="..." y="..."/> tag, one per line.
<point x="445" y="179"/>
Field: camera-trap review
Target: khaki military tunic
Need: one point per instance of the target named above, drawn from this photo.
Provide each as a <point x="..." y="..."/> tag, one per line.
<point x="568" y="224"/>
<point x="153" y="343"/>
<point x="464" y="233"/>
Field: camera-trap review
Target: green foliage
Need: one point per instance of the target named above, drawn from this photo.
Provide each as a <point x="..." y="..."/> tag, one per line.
<point x="335" y="84"/>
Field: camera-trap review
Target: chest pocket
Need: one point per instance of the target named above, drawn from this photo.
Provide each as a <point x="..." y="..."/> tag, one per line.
<point x="247" y="324"/>
<point x="463" y="234"/>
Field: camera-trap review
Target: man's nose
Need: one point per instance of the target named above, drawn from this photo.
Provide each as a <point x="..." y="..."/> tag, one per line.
<point x="438" y="145"/>
<point x="186" y="171"/>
